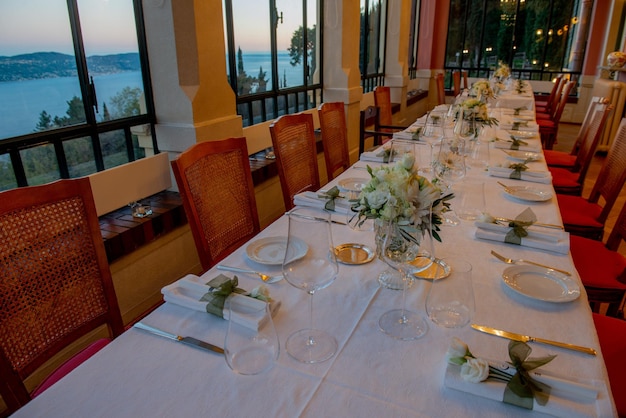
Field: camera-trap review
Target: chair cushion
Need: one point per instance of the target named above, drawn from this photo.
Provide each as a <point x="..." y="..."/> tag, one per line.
<point x="588" y="255"/>
<point x="612" y="336"/>
<point x="543" y="116"/>
<point x="559" y="158"/>
<point x="562" y="177"/>
<point x="576" y="210"/>
<point x="70" y="365"/>
<point x="546" y="123"/>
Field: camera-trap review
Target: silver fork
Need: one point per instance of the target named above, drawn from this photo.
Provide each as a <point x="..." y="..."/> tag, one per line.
<point x="264" y="277"/>
<point x="520" y="260"/>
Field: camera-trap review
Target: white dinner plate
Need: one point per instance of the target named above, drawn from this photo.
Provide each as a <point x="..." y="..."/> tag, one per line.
<point x="528" y="193"/>
<point x="541" y="283"/>
<point x="523" y="155"/>
<point x="271" y="250"/>
<point x="351" y="184"/>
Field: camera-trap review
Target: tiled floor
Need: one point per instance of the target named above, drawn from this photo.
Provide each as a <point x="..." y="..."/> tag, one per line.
<point x="566" y="137"/>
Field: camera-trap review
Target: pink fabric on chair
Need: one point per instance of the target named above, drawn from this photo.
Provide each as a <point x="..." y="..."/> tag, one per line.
<point x="70" y="365"/>
<point x="612" y="336"/>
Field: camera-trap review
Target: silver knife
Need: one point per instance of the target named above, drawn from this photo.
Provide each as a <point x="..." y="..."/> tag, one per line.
<point x="185" y="340"/>
<point x="526" y="338"/>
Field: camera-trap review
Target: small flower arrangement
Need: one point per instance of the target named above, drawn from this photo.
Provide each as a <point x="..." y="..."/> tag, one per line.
<point x="503" y="71"/>
<point x="478" y="110"/>
<point x="399" y="194"/>
<point x="521" y="388"/>
<point x="482" y="90"/>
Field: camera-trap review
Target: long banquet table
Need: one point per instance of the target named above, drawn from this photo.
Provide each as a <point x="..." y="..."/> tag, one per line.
<point x="372" y="374"/>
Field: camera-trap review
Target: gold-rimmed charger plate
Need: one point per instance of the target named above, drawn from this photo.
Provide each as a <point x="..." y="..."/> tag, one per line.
<point x="439" y="269"/>
<point x="354" y="254"/>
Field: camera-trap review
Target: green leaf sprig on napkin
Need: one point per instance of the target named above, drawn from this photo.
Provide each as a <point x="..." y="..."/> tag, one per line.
<point x="222" y="287"/>
<point x="386" y="154"/>
<point x="521" y="389"/>
<point x="517" y="110"/>
<point x="517" y="168"/>
<point x="518" y="225"/>
<point x="516" y="142"/>
<point x="331" y="194"/>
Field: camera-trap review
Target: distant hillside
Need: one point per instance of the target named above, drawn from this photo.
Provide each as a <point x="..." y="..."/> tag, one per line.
<point x="53" y="64"/>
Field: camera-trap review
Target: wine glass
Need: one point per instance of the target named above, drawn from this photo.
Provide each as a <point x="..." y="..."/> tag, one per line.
<point x="432" y="134"/>
<point x="449" y="167"/>
<point x="317" y="269"/>
<point x="401" y="248"/>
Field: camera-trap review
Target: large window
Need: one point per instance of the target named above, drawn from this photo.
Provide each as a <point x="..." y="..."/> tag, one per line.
<point x="373" y="40"/>
<point x="273" y="56"/>
<point x="536" y="38"/>
<point x="72" y="88"/>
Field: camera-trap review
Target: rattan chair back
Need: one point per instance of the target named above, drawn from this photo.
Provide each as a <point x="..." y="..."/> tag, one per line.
<point x="216" y="188"/>
<point x="334" y="137"/>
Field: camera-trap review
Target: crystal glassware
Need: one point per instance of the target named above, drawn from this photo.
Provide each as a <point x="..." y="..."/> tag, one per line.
<point x="313" y="271"/>
<point x="407" y="251"/>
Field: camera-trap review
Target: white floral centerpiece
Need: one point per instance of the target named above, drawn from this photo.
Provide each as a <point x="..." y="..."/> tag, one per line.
<point x="397" y="193"/>
<point x="477" y="110"/>
<point x="482" y="90"/>
<point x="503" y="71"/>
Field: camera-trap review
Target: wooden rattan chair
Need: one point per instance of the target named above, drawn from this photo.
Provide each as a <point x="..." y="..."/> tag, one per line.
<point x="369" y="117"/>
<point x="441" y="91"/>
<point x="293" y="138"/>
<point x="602" y="269"/>
<point x="457" y="77"/>
<point x="568" y="159"/>
<point x="334" y="137"/>
<point x="586" y="217"/>
<point x="216" y="188"/>
<point x="570" y="181"/>
<point x="547" y="106"/>
<point x="382" y="100"/>
<point x="55" y="282"/>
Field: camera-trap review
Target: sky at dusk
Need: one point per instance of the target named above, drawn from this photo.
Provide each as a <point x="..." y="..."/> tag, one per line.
<point x="108" y="27"/>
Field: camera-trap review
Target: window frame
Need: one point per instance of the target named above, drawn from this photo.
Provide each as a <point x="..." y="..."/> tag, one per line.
<point x="414" y="31"/>
<point x="260" y="107"/>
<point x="90" y="128"/>
<point x="369" y="81"/>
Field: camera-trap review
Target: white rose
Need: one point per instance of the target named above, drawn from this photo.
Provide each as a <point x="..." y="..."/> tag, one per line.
<point x="376" y="199"/>
<point x="457" y="351"/>
<point x="261" y="292"/>
<point x="475" y="370"/>
<point x="487" y="218"/>
<point x="408" y="160"/>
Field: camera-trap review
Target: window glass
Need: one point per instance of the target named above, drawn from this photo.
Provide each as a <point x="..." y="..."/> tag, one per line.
<point x="372" y="43"/>
<point x="80" y="157"/>
<point x="40" y="164"/>
<point x="114" y="149"/>
<point x="251" y="25"/>
<point x="38" y="76"/>
<point x="7" y="176"/>
<point x="110" y="42"/>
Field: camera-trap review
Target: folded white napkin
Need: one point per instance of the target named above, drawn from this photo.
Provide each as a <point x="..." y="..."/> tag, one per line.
<point x="507" y="122"/>
<point x="563" y="402"/>
<point x="406" y="134"/>
<point x="560" y="246"/>
<point x="375" y="156"/>
<point x="314" y="200"/>
<point x="508" y="111"/>
<point x="188" y="291"/>
<point x="546" y="234"/>
<point x="528" y="175"/>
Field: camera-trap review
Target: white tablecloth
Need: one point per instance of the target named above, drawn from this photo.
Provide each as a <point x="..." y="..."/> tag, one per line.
<point x="371" y="375"/>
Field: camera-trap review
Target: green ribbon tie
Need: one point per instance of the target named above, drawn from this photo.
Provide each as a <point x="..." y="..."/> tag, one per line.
<point x="516" y="174"/>
<point x="331" y="194"/>
<point x="522" y="389"/>
<point x="219" y="289"/>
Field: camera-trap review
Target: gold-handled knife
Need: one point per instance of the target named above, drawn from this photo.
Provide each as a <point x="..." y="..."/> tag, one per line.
<point x="528" y="338"/>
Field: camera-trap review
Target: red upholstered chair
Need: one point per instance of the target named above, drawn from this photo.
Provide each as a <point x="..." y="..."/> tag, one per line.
<point x="293" y="137"/>
<point x="568" y="159"/>
<point x="216" y="188"/>
<point x="571" y="181"/>
<point x="334" y="137"/>
<point x="548" y="128"/>
<point x="612" y="336"/>
<point x="602" y="268"/>
<point x="55" y="282"/>
<point x="546" y="106"/>
<point x="586" y="217"/>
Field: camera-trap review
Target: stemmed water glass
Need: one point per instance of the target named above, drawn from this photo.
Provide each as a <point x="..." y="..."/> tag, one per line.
<point x="310" y="264"/>
<point x="409" y="251"/>
<point x="449" y="166"/>
<point x="432" y="134"/>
